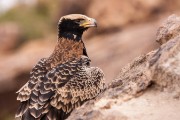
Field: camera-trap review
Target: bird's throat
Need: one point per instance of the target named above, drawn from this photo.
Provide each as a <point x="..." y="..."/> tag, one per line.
<point x="66" y="50"/>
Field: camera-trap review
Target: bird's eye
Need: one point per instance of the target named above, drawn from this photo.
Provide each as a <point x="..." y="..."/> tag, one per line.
<point x="78" y="20"/>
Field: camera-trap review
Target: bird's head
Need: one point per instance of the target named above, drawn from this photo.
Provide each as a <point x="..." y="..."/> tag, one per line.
<point x="74" y="25"/>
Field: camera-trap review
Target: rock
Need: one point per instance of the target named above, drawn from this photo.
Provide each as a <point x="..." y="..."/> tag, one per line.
<point x="164" y="66"/>
<point x="169" y="29"/>
<point x="146" y="89"/>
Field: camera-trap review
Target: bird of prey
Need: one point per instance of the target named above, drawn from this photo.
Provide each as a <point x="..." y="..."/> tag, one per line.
<point x="64" y="81"/>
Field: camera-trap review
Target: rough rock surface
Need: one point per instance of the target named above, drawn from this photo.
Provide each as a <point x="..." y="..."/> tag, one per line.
<point x="146" y="89"/>
<point x="169" y="29"/>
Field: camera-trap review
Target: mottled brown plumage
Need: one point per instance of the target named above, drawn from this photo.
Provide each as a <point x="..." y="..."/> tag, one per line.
<point x="65" y="80"/>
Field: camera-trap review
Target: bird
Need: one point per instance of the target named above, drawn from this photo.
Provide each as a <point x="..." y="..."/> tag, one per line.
<point x="65" y="80"/>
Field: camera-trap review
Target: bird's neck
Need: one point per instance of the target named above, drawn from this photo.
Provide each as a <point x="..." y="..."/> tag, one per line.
<point x="66" y="50"/>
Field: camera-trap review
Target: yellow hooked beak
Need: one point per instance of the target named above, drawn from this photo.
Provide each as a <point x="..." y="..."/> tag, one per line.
<point x="88" y="23"/>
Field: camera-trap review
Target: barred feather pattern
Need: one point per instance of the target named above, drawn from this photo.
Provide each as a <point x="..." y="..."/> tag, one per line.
<point x="52" y="93"/>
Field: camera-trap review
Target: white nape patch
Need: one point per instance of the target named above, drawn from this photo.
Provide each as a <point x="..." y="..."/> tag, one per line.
<point x="74" y="36"/>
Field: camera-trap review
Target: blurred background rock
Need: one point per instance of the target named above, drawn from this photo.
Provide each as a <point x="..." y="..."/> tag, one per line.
<point x="126" y="29"/>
